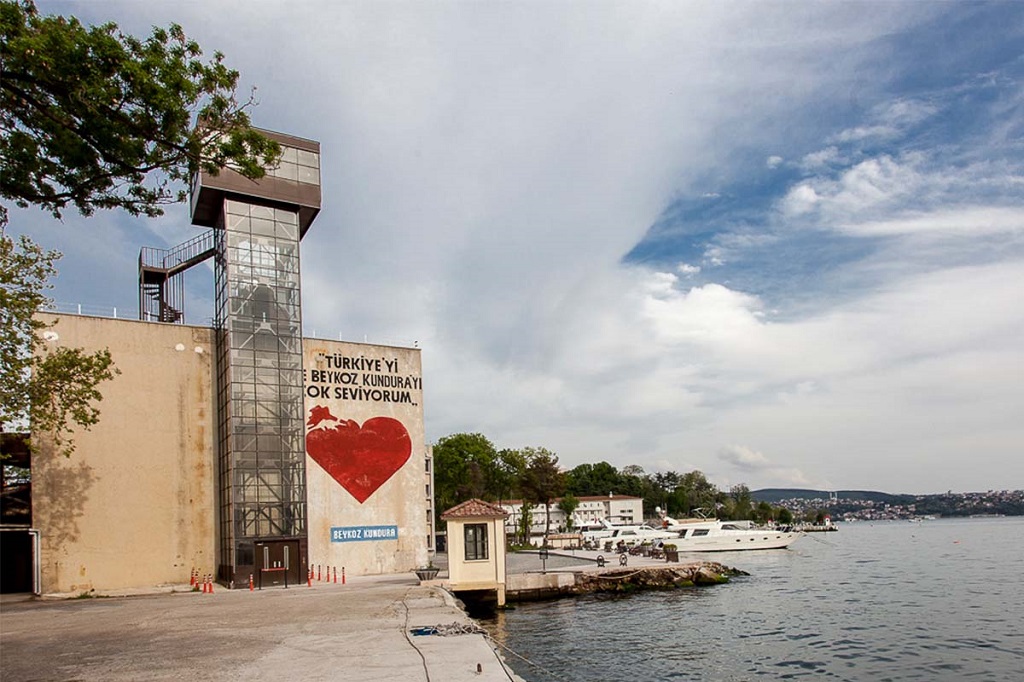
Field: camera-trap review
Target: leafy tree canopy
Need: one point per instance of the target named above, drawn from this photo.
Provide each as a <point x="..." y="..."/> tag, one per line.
<point x="543" y="480"/>
<point x="568" y="505"/>
<point x="463" y="468"/>
<point x="93" y="118"/>
<point x="41" y="380"/>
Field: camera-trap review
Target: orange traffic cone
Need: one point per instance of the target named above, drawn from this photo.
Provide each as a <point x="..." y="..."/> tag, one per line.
<point x="250" y="583"/>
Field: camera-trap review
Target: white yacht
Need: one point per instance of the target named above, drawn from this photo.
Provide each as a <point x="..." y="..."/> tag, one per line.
<point x="631" y="535"/>
<point x="703" y="534"/>
<point x="731" y="536"/>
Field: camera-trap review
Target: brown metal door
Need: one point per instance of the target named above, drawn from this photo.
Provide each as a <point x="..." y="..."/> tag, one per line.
<point x="277" y="563"/>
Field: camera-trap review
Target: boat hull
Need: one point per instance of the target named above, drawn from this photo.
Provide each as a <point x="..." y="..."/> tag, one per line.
<point x="734" y="541"/>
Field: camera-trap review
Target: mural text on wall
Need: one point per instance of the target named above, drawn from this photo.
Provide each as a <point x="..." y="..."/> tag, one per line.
<point x="363" y="379"/>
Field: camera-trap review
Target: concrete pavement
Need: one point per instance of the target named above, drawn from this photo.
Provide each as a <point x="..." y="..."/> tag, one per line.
<point x="359" y="632"/>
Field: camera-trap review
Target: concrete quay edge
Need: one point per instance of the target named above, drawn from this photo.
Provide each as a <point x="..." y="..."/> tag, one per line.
<point x="360" y="631"/>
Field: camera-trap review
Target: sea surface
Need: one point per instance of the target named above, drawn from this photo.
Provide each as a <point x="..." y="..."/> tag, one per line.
<point x="932" y="600"/>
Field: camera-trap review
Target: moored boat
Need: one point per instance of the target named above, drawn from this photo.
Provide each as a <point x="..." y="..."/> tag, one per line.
<point x="628" y="535"/>
<point x="731" y="536"/>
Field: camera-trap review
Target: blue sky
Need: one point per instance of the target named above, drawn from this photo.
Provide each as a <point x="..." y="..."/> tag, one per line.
<point x="777" y="242"/>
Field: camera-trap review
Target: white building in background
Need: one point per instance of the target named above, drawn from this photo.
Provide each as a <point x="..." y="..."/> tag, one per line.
<point x="617" y="509"/>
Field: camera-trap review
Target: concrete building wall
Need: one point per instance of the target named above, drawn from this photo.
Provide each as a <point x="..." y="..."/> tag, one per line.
<point x="135" y="504"/>
<point x="366" y="475"/>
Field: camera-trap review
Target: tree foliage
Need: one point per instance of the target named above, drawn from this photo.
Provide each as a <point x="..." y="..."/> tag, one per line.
<point x="568" y="505"/>
<point x="593" y="479"/>
<point x="463" y="469"/>
<point x="93" y="118"/>
<point x="508" y="474"/>
<point x="467" y="465"/>
<point x="543" y="481"/>
<point x="41" y="382"/>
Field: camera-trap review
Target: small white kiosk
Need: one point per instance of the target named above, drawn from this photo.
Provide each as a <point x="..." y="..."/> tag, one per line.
<point x="476" y="550"/>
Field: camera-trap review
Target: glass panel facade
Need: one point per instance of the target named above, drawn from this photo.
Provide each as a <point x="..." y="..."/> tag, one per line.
<point x="297" y="165"/>
<point x="262" y="450"/>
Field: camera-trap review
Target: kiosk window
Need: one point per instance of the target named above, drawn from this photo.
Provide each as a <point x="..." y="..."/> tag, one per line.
<point x="476" y="541"/>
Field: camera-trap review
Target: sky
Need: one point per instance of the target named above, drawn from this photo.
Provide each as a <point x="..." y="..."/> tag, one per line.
<point x="778" y="242"/>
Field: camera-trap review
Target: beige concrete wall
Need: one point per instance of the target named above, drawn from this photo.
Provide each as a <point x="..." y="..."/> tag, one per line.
<point x="364" y="410"/>
<point x="134" y="506"/>
<point x="477" y="574"/>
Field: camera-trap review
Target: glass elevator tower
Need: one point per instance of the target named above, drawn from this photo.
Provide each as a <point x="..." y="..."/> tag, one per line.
<point x="257" y="226"/>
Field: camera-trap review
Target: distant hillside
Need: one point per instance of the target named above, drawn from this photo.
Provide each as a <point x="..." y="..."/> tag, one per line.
<point x="776" y="495"/>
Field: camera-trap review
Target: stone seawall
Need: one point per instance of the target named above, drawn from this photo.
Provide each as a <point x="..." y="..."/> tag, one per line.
<point x="535" y="586"/>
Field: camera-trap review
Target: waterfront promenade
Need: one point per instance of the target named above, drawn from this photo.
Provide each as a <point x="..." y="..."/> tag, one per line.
<point x="358" y="632"/>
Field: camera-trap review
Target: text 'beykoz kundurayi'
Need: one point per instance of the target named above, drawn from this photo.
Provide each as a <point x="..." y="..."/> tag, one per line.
<point x="361" y="378"/>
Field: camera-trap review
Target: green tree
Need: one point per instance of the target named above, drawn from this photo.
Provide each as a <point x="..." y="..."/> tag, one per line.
<point x="764" y="512"/>
<point x="544" y="481"/>
<point x="742" y="507"/>
<point x="663" y="485"/>
<point x="507" y="473"/>
<point x="698" y="493"/>
<point x="593" y="479"/>
<point x="525" y="523"/>
<point x="463" y="463"/>
<point x="567" y="505"/>
<point x="93" y="118"/>
<point x="51" y="387"/>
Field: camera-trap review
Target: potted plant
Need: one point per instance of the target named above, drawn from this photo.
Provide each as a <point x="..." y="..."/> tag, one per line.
<point x="671" y="553"/>
<point x="428" y="572"/>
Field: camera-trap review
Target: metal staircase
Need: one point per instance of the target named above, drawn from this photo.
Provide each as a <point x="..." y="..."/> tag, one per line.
<point x="161" y="287"/>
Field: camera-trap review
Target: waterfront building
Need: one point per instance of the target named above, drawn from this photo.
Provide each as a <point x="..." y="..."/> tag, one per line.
<point x="617" y="509"/>
<point x="239" y="449"/>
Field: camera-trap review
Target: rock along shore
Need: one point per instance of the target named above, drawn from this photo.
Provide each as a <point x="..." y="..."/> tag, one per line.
<point x="561" y="583"/>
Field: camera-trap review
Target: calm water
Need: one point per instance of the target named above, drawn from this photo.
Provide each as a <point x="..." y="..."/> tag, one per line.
<point x="937" y="600"/>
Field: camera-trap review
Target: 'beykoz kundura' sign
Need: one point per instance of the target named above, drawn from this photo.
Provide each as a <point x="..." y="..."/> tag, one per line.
<point x="363" y="533"/>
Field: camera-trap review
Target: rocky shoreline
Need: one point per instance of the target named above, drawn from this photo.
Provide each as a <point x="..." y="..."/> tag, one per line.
<point x="536" y="586"/>
<point x="652" y="577"/>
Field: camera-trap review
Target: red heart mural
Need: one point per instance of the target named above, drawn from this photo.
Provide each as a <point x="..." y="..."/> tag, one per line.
<point x="362" y="458"/>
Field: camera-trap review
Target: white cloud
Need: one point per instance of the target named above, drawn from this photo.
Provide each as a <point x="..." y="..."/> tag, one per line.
<point x="911" y="194"/>
<point x="688" y="270"/>
<point x="967" y="220"/>
<point x="823" y="157"/>
<point x="486" y="166"/>
<point x="742" y="457"/>
<point x="889" y="120"/>
<point x="773" y="162"/>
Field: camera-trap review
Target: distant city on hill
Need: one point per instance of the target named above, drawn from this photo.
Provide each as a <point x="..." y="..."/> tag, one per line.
<point x="848" y="505"/>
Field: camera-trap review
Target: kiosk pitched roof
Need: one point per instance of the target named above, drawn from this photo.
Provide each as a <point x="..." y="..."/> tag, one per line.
<point x="474" y="508"/>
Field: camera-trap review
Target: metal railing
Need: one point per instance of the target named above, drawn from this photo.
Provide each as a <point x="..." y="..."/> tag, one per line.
<point x="185" y="254"/>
